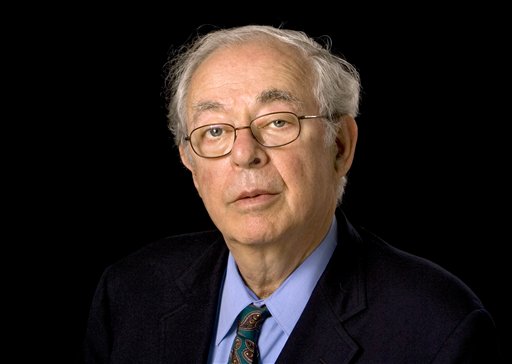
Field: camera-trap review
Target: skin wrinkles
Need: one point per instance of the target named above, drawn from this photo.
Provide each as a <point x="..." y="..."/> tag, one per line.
<point x="264" y="200"/>
<point x="270" y="97"/>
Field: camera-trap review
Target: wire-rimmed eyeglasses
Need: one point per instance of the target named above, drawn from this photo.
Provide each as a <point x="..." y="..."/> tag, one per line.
<point x="271" y="130"/>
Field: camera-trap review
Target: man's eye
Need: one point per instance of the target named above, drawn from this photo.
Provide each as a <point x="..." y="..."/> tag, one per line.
<point x="215" y="132"/>
<point x="279" y="123"/>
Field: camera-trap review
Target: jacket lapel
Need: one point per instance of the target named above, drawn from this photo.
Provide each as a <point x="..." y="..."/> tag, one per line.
<point x="320" y="335"/>
<point x="188" y="326"/>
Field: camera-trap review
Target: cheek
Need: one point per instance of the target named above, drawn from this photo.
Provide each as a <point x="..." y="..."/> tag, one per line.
<point x="314" y="174"/>
<point x="299" y="174"/>
<point x="208" y="182"/>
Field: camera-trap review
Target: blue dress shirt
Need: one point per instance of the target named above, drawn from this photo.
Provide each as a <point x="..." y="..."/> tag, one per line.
<point x="285" y="304"/>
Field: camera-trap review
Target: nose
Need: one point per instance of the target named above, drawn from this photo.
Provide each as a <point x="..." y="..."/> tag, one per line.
<point x="246" y="150"/>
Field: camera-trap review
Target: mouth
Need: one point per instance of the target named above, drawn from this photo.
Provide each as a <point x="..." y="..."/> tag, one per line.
<point x="254" y="195"/>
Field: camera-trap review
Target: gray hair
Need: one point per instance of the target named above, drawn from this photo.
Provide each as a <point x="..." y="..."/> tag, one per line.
<point x="336" y="83"/>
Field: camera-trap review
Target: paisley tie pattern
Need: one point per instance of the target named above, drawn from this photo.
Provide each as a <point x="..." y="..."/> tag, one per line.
<point x="245" y="348"/>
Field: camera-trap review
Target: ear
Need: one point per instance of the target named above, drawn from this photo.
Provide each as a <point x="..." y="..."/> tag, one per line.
<point x="186" y="158"/>
<point x="188" y="162"/>
<point x="346" y="140"/>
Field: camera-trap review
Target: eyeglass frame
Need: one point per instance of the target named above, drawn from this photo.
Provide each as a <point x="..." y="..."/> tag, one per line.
<point x="235" y="129"/>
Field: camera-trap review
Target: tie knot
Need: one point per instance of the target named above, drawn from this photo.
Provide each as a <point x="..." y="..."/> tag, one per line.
<point x="250" y="320"/>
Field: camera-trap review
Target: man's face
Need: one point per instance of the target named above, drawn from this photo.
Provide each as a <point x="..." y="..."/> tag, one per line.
<point x="259" y="195"/>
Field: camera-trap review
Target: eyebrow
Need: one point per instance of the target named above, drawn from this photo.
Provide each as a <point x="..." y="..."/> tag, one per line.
<point x="275" y="94"/>
<point x="207" y="105"/>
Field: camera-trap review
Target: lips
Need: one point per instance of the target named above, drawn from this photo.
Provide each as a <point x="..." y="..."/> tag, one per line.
<point x="252" y="194"/>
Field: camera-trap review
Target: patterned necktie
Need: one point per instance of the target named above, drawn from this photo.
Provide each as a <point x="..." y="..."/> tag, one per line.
<point x="245" y="348"/>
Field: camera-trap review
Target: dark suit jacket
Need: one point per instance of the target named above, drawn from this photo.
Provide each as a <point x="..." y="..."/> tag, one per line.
<point x="373" y="304"/>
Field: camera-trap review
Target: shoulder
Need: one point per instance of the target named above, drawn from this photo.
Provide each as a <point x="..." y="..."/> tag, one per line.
<point x="414" y="277"/>
<point x="410" y="298"/>
<point x="400" y="283"/>
<point x="415" y="296"/>
<point x="419" y="299"/>
<point x="167" y="258"/>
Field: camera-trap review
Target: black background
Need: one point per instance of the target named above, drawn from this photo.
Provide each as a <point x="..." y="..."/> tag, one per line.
<point x="100" y="176"/>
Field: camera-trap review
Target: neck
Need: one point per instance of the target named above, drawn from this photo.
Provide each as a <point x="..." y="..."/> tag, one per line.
<point x="265" y="266"/>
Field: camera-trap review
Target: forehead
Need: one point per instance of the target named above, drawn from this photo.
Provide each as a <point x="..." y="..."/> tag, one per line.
<point x="239" y="74"/>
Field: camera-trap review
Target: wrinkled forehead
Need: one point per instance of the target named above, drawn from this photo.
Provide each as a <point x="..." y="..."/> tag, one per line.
<point x="247" y="73"/>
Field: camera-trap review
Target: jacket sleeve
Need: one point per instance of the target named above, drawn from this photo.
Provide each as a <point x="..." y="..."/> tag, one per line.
<point x="474" y="341"/>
